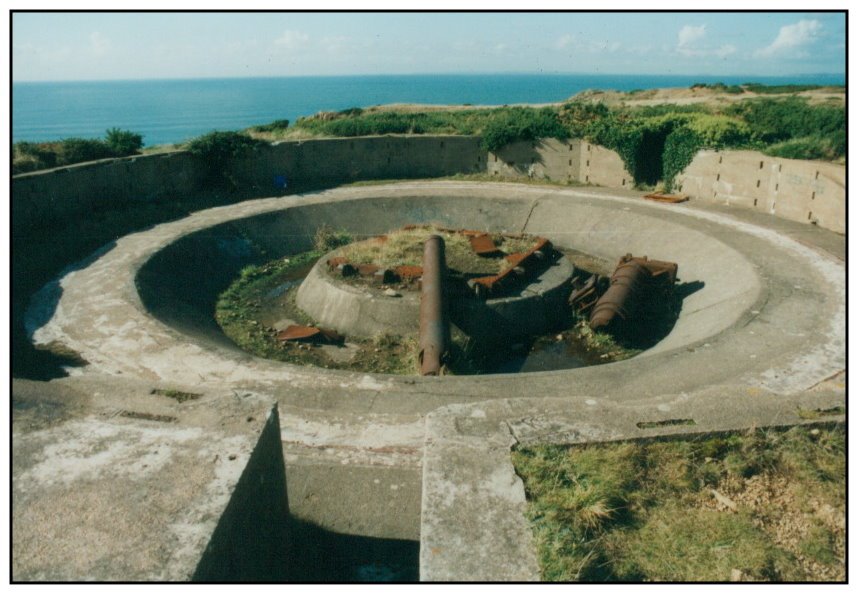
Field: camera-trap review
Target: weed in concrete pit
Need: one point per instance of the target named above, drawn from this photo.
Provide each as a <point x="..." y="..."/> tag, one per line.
<point x="765" y="505"/>
<point x="262" y="301"/>
<point x="176" y="395"/>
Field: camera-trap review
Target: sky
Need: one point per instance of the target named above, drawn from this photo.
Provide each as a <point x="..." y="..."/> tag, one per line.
<point x="108" y="46"/>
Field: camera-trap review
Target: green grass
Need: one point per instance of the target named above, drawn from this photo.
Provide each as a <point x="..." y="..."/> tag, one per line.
<point x="240" y="307"/>
<point x="404" y="247"/>
<point x="644" y="511"/>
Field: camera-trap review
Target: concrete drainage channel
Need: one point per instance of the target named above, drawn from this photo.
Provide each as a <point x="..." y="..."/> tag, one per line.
<point x="393" y="459"/>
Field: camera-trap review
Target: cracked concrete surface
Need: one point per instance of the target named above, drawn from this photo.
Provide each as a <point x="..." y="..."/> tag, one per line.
<point x="394" y="457"/>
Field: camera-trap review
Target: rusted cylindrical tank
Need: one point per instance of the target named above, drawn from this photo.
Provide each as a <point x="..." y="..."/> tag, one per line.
<point x="434" y="322"/>
<point x="629" y="284"/>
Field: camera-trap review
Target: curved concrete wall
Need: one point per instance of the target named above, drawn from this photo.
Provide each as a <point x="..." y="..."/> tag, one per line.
<point x="180" y="283"/>
<point x="806" y="191"/>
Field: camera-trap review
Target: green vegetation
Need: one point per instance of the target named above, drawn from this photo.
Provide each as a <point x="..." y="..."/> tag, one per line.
<point x="498" y="127"/>
<point x="404" y="247"/>
<point x="218" y="149"/>
<point x="240" y="308"/>
<point x="766" y="505"/>
<point x="327" y="238"/>
<point x="32" y="156"/>
<point x="177" y="395"/>
<point x="275" y="126"/>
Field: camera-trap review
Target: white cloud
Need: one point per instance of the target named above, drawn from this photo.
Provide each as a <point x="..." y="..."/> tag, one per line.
<point x="688" y="35"/>
<point x="792" y="36"/>
<point x="98" y="43"/>
<point x="563" y="42"/>
<point x="292" y="39"/>
<point x="725" y="50"/>
<point x="687" y="44"/>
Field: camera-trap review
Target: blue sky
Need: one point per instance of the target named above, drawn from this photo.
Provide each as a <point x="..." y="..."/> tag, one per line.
<point x="103" y="46"/>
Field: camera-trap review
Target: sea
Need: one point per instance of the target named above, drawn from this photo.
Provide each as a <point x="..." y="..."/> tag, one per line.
<point x="175" y="110"/>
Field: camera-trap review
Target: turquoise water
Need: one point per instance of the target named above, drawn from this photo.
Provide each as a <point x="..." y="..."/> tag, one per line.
<point x="170" y="111"/>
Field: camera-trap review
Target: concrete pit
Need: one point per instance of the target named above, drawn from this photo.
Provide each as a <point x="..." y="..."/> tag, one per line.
<point x="760" y="335"/>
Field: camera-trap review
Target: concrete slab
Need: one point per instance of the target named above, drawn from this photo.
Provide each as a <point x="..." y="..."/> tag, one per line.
<point x="138" y="491"/>
<point x="764" y="335"/>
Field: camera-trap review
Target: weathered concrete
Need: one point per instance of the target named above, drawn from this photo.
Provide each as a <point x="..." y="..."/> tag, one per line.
<point x="368" y="312"/>
<point x="762" y="304"/>
<point x="474" y="502"/>
<point x="763" y="334"/>
<point x="123" y="485"/>
<point x="803" y="191"/>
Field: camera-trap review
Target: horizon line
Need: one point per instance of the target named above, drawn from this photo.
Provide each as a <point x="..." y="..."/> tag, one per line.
<point x="842" y="76"/>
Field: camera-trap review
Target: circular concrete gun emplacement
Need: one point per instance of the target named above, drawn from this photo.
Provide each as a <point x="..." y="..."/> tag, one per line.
<point x="760" y="329"/>
<point x="765" y="310"/>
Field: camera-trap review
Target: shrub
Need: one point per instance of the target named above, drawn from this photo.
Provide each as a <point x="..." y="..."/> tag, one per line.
<point x="775" y="120"/>
<point x="518" y="123"/>
<point x="77" y="150"/>
<point x="808" y="147"/>
<point x="717" y="131"/>
<point x="327" y="238"/>
<point x="680" y="146"/>
<point x="123" y="142"/>
<point x="275" y="126"/>
<point x="218" y="149"/>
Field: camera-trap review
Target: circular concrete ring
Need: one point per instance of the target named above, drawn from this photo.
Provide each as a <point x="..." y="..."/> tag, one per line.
<point x="762" y="310"/>
<point x="366" y="312"/>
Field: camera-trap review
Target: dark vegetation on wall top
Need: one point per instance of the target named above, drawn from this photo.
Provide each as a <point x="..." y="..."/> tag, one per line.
<point x="655" y="142"/>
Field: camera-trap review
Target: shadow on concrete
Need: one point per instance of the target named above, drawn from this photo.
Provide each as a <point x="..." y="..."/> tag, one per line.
<point x="657" y="319"/>
<point x="321" y="556"/>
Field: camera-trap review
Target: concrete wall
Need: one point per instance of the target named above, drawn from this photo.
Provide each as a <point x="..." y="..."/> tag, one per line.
<point x="565" y="161"/>
<point x="804" y="191"/>
<point x="365" y="158"/>
<point x="59" y="194"/>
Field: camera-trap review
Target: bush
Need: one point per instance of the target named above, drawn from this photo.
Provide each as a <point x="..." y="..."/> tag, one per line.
<point x="718" y="131"/>
<point x="123" y="142"/>
<point x="809" y="147"/>
<point x="77" y="150"/>
<point x="218" y="149"/>
<point x="775" y="120"/>
<point x="518" y="123"/>
<point x="275" y="126"/>
<point x="680" y="146"/>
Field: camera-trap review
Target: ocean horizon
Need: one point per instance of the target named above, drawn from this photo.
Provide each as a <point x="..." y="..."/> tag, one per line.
<point x="169" y="111"/>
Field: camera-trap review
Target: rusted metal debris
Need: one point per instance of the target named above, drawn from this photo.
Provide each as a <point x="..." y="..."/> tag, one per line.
<point x="585" y="293"/>
<point x="670" y="198"/>
<point x="434" y="323"/>
<point x="408" y="273"/>
<point x="522" y="264"/>
<point x="631" y="283"/>
<point x="297" y="333"/>
<point x="483" y="245"/>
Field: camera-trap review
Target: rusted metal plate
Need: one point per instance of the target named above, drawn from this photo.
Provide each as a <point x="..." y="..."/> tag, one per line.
<point x="670" y="198"/>
<point x="483" y="245"/>
<point x="584" y="294"/>
<point x="367" y="269"/>
<point x="336" y="262"/>
<point x="522" y="265"/>
<point x="408" y="273"/>
<point x="298" y="333"/>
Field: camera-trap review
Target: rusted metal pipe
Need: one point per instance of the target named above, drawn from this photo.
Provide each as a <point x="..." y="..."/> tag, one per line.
<point x="434" y="322"/>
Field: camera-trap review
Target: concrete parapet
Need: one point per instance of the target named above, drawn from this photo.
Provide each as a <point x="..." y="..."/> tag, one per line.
<point x="803" y="191"/>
